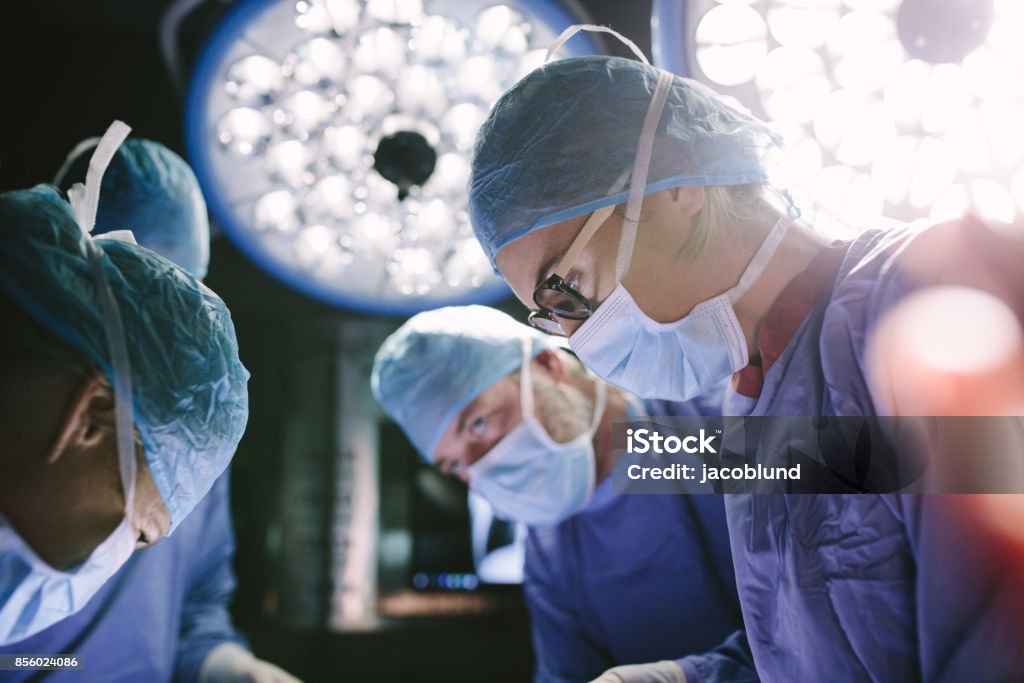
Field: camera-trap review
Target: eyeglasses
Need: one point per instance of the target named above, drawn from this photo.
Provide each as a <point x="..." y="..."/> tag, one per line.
<point x="545" y="322"/>
<point x="554" y="296"/>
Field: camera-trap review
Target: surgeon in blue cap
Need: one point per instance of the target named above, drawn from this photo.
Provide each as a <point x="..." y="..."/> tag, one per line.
<point x="631" y="210"/>
<point x="163" y="614"/>
<point x="153" y="192"/>
<point x="613" y="582"/>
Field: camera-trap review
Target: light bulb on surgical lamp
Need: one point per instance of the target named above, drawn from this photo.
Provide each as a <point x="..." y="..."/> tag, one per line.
<point x="913" y="105"/>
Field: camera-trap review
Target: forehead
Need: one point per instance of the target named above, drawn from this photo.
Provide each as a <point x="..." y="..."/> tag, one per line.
<point x="521" y="261"/>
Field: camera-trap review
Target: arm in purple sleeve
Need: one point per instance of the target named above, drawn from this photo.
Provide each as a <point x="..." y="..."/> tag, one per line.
<point x="564" y="652"/>
<point x="968" y="621"/>
<point x="205" y="621"/>
<point x="730" y="662"/>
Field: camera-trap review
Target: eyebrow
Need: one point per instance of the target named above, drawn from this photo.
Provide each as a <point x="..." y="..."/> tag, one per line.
<point x="591" y="224"/>
<point x="546" y="269"/>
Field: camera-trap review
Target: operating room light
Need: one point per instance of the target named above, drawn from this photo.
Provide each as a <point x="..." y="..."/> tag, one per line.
<point x="333" y="138"/>
<point x="918" y="101"/>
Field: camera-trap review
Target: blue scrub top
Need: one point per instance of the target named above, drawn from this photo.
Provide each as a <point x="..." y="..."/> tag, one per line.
<point x="630" y="579"/>
<point x="159" y="616"/>
<point x="881" y="588"/>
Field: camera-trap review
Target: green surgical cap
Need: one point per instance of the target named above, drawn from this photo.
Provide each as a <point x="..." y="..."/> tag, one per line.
<point x="190" y="400"/>
<point x="440" y="360"/>
<point x="151" y="191"/>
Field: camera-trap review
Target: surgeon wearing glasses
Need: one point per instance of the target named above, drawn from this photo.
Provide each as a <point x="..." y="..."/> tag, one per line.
<point x="631" y="210"/>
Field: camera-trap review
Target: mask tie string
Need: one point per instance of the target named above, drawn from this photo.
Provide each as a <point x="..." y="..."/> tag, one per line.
<point x="84" y="201"/>
<point x="593" y="28"/>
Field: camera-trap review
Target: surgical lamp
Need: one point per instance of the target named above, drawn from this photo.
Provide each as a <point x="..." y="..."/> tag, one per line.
<point x="907" y="108"/>
<point x="333" y="138"/>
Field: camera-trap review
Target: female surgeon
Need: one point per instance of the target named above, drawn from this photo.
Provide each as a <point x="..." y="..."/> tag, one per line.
<point x="630" y="210"/>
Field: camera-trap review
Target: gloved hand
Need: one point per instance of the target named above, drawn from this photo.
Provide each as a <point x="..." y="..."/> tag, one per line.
<point x="231" y="663"/>
<point x="656" y="672"/>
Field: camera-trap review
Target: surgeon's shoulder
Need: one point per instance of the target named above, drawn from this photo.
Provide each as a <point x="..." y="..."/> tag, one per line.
<point x="968" y="252"/>
<point x="882" y="267"/>
<point x="866" y="279"/>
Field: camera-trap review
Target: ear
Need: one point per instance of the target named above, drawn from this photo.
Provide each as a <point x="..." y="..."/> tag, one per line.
<point x="87" y="419"/>
<point x="552" y="362"/>
<point x="688" y="201"/>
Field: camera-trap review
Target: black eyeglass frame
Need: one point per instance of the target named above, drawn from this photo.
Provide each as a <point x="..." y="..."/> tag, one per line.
<point x="545" y="322"/>
<point x="546" y="314"/>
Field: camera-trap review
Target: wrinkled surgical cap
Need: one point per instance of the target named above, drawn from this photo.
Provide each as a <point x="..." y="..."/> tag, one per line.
<point x="151" y="191"/>
<point x="190" y="397"/>
<point x="555" y="144"/>
<point x="438" y="361"/>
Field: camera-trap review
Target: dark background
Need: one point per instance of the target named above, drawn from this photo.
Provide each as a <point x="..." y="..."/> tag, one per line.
<point x="70" y="68"/>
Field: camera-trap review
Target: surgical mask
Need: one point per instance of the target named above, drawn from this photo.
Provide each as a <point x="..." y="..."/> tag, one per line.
<point x="35" y="595"/>
<point x="528" y="476"/>
<point x="39" y="595"/>
<point x="671" y="361"/>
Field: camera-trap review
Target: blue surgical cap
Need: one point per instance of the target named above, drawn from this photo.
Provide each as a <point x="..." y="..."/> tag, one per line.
<point x="438" y="361"/>
<point x="556" y="144"/>
<point x="190" y="398"/>
<point x="151" y="191"/>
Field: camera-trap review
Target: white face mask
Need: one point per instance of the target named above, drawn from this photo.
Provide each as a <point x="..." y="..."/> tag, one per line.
<point x="528" y="476"/>
<point x="671" y="361"/>
<point x="37" y="596"/>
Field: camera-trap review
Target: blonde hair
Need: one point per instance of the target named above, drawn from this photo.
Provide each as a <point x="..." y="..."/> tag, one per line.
<point x="724" y="206"/>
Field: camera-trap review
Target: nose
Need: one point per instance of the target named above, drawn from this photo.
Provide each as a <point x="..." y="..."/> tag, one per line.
<point x="152" y="522"/>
